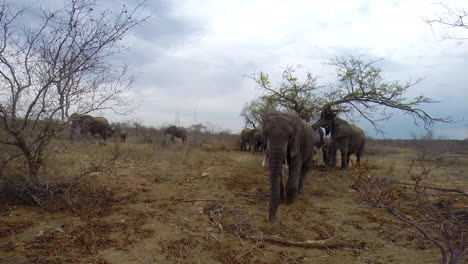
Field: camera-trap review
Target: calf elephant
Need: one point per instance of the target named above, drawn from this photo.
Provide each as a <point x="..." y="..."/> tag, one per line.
<point x="288" y="136"/>
<point x="88" y="124"/>
<point x="346" y="137"/>
<point x="175" y="131"/>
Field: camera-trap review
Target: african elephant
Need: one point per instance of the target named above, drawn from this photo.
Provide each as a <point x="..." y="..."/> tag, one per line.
<point x="90" y="124"/>
<point x="176" y="131"/>
<point x="123" y="135"/>
<point x="346" y="137"/>
<point x="258" y="141"/>
<point x="246" y="135"/>
<point x="327" y="151"/>
<point x="288" y="136"/>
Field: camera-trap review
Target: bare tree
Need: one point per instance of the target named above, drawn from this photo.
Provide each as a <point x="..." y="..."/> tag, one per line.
<point x="450" y="18"/>
<point x="253" y="111"/>
<point x="53" y="62"/>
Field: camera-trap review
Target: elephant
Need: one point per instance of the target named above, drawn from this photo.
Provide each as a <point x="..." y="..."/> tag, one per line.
<point x="246" y="138"/>
<point x="89" y="124"/>
<point x="327" y="151"/>
<point x="176" y="131"/>
<point x="258" y="141"/>
<point x="288" y="136"/>
<point x="123" y="135"/>
<point x="348" y="138"/>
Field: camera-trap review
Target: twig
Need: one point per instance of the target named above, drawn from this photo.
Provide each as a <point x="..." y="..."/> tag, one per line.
<point x="332" y="242"/>
<point x="203" y="200"/>
<point x="436" y="188"/>
<point x="215" y="221"/>
<point x="240" y="239"/>
<point x="252" y="194"/>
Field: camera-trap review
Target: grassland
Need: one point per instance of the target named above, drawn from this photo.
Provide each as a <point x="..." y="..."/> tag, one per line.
<point x="158" y="203"/>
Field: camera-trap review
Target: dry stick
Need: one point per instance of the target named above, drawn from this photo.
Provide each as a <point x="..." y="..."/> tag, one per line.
<point x="203" y="200"/>
<point x="332" y="242"/>
<point x="253" y="194"/>
<point x="436" y="188"/>
<point x="216" y="222"/>
<point x="248" y="251"/>
<point x="240" y="239"/>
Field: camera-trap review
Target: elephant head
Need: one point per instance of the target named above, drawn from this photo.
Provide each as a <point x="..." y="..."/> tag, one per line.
<point x="175" y="131"/>
<point x="287" y="136"/>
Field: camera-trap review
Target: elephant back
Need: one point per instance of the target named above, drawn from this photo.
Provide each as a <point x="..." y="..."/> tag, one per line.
<point x="181" y="132"/>
<point x="102" y="120"/>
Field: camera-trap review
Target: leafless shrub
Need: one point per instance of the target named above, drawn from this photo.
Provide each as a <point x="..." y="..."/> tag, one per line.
<point x="438" y="218"/>
<point x="51" y="64"/>
<point x="425" y="146"/>
<point x="68" y="175"/>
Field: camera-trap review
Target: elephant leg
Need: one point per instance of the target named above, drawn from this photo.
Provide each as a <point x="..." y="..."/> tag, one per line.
<point x="282" y="189"/>
<point x="344" y="163"/>
<point x="302" y="179"/>
<point x="332" y="158"/>
<point x="358" y="159"/>
<point x="348" y="156"/>
<point x="344" y="153"/>
<point x="293" y="181"/>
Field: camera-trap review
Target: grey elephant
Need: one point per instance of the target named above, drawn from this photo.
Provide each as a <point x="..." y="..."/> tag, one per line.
<point x="123" y="135"/>
<point x="246" y="135"/>
<point x="288" y="137"/>
<point x="346" y="137"/>
<point x="175" y="131"/>
<point x="258" y="141"/>
<point x="86" y="124"/>
<point x="327" y="151"/>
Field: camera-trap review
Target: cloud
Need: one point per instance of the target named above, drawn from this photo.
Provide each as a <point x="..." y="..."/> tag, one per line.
<point x="191" y="57"/>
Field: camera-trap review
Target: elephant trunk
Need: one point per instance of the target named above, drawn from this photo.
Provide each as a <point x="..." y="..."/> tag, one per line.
<point x="276" y="154"/>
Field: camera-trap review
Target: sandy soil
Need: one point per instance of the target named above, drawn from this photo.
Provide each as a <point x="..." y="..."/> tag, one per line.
<point x="175" y="205"/>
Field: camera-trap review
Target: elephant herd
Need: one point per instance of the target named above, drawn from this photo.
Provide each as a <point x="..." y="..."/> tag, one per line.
<point x="252" y="139"/>
<point x="84" y="125"/>
<point x="286" y="138"/>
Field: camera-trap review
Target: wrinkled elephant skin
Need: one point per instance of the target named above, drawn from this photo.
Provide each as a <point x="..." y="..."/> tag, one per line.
<point x="288" y="136"/>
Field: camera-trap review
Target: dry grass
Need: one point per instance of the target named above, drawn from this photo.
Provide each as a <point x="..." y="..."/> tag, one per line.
<point x="206" y="204"/>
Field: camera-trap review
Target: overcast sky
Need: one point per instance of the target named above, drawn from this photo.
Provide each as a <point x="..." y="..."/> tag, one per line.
<point x="191" y="56"/>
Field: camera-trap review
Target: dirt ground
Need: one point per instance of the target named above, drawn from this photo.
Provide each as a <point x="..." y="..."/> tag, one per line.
<point x="209" y="205"/>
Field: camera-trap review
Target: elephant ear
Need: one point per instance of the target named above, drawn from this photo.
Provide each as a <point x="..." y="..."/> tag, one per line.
<point x="297" y="139"/>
